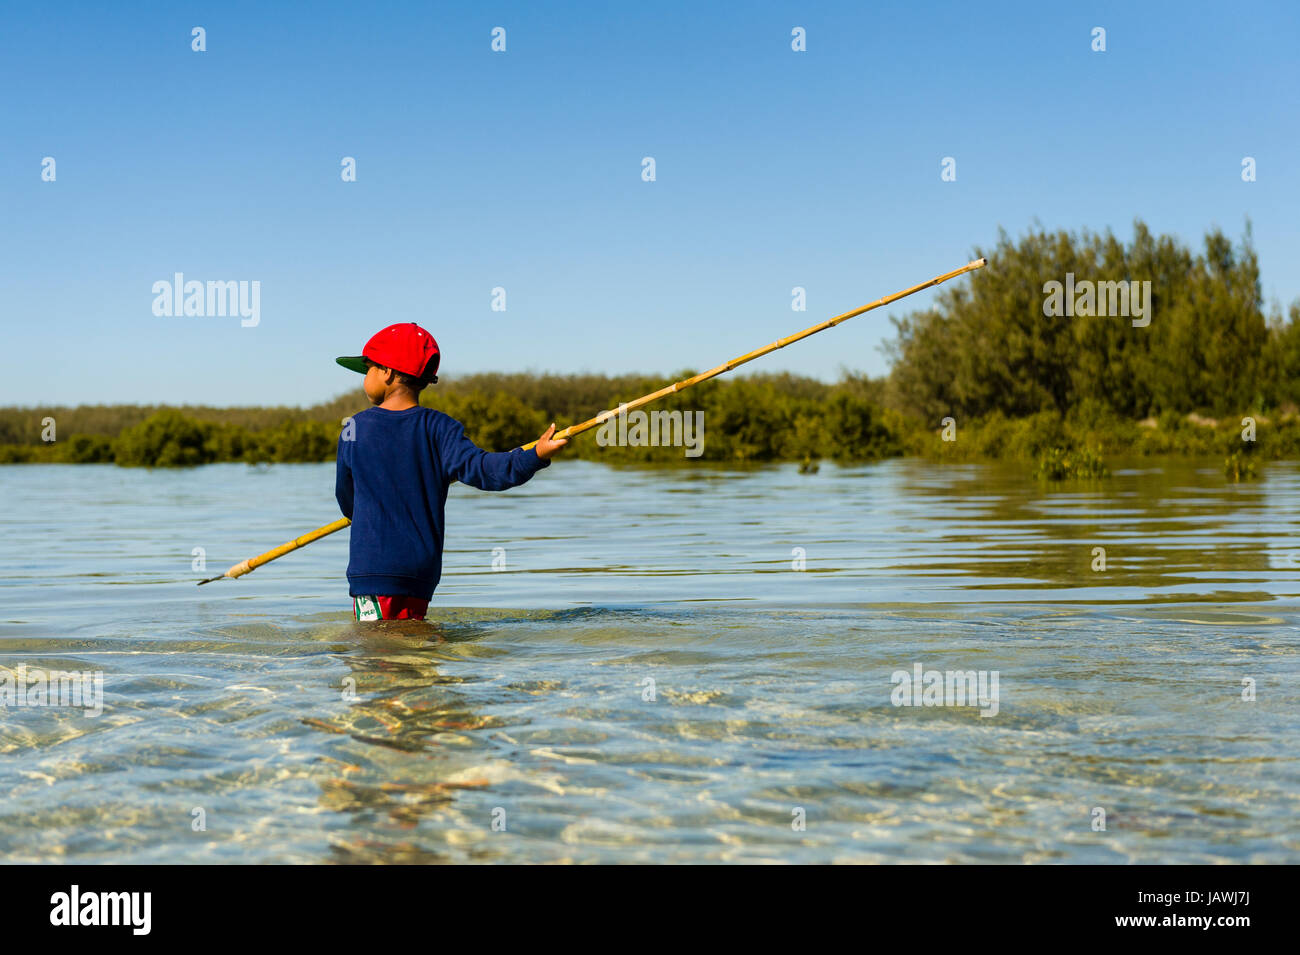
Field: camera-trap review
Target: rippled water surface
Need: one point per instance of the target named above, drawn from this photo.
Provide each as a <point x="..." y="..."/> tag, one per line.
<point x="650" y="678"/>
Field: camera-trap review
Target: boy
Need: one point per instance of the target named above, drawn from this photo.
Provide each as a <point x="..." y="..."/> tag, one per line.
<point x="394" y="467"/>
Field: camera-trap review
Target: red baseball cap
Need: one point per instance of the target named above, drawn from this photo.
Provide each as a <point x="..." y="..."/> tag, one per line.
<point x="407" y="348"/>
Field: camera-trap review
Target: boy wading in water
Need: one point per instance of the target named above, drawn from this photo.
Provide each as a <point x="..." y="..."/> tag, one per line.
<point x="394" y="467"/>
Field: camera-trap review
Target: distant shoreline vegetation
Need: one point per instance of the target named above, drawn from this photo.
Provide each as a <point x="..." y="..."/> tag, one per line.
<point x="756" y="420"/>
<point x="992" y="370"/>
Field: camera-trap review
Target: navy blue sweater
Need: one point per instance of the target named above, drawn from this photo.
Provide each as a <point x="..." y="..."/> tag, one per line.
<point x="392" y="481"/>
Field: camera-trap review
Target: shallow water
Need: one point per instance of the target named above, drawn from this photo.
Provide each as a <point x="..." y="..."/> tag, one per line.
<point x="650" y="678"/>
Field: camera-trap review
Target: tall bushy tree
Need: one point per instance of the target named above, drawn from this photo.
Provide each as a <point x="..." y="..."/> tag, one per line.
<point x="989" y="346"/>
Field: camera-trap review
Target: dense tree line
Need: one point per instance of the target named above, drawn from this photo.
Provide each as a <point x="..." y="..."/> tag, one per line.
<point x="761" y="418"/>
<point x="994" y="368"/>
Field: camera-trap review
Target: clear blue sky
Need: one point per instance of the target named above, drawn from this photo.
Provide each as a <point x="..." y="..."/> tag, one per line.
<point x="523" y="170"/>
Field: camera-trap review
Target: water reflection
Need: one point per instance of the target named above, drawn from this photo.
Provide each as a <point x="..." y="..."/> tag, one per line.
<point x="397" y="701"/>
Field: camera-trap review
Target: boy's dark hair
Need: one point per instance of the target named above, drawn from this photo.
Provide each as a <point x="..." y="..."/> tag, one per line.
<point x="417" y="385"/>
<point x="414" y="382"/>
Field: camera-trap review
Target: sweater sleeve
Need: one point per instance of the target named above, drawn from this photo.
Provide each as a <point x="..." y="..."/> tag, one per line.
<point x="343" y="477"/>
<point x="466" y="462"/>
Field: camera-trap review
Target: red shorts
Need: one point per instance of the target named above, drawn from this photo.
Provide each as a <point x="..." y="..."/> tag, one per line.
<point x="388" y="608"/>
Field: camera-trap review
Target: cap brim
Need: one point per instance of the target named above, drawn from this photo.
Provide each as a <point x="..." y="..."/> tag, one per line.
<point x="357" y="364"/>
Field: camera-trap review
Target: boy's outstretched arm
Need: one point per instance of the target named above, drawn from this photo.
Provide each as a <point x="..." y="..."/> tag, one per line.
<point x="488" y="470"/>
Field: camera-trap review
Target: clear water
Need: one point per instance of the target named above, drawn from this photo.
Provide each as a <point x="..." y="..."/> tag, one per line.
<point x="305" y="737"/>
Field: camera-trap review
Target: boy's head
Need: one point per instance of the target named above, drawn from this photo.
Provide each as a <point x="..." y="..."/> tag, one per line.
<point x="400" y="356"/>
<point x="380" y="383"/>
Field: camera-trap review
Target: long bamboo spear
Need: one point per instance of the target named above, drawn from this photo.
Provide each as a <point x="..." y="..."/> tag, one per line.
<point x="253" y="563"/>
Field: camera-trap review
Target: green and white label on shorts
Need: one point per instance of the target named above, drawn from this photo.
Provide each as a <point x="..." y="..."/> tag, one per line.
<point x="366" y="608"/>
